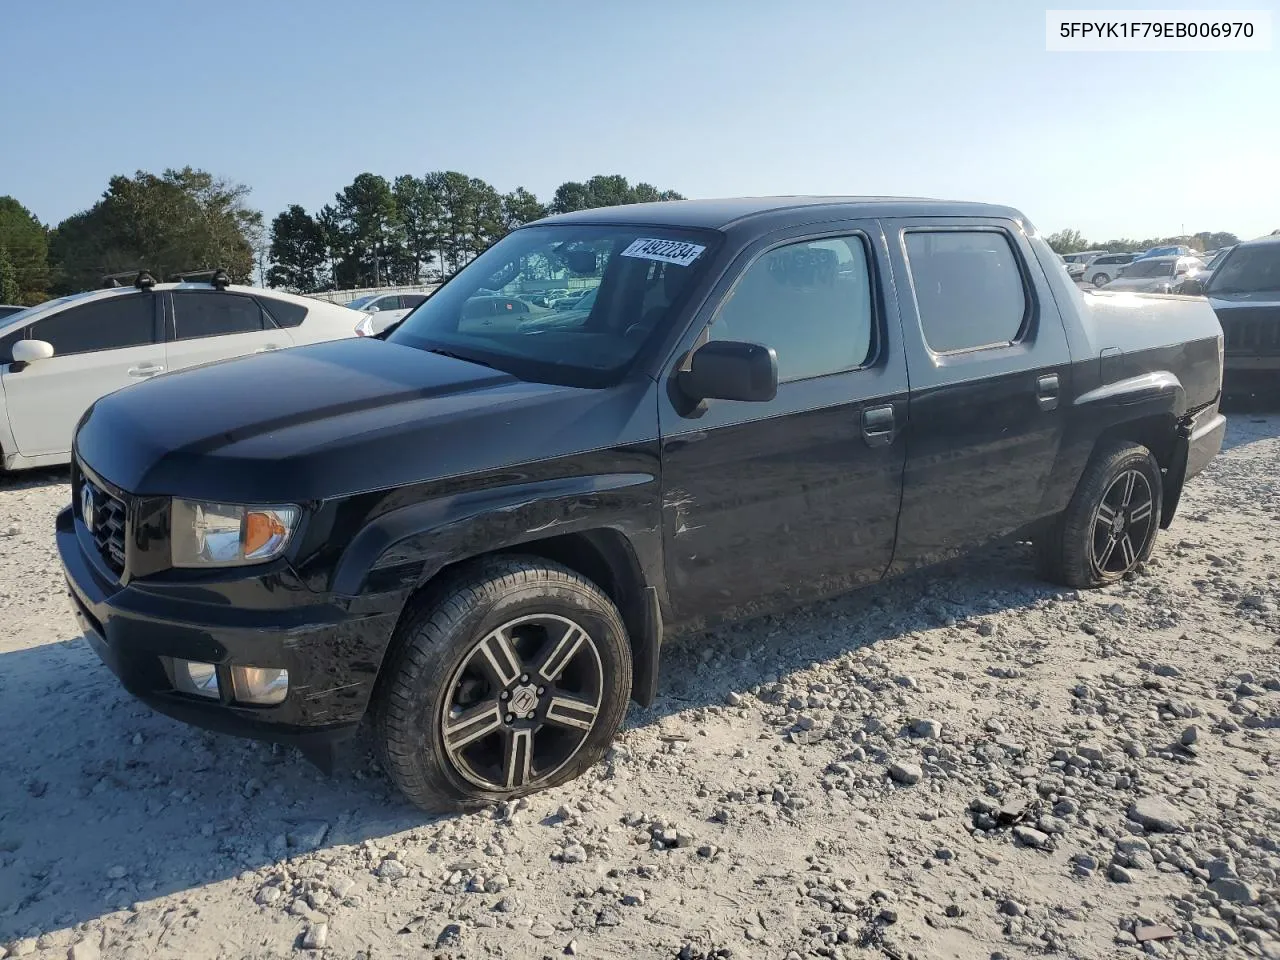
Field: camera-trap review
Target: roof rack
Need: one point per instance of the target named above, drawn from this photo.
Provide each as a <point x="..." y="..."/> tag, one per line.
<point x="216" y="277"/>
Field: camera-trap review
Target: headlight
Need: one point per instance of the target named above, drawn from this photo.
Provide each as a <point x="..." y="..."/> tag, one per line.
<point x="228" y="535"/>
<point x="365" y="327"/>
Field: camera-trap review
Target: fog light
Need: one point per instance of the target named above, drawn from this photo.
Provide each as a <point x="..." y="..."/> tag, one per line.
<point x="264" y="685"/>
<point x="196" y="678"/>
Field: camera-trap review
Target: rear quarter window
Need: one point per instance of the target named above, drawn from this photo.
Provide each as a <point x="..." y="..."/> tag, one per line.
<point x="283" y="312"/>
<point x="968" y="288"/>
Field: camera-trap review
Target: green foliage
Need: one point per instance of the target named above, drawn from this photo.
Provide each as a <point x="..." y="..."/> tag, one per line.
<point x="1073" y="241"/>
<point x="299" y="252"/>
<point x="26" y="243"/>
<point x="605" y="191"/>
<point x="10" y="291"/>
<point x="182" y="220"/>
<point x="1067" y="241"/>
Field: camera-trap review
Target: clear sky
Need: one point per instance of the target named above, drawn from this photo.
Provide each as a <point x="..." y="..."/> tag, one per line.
<point x="709" y="97"/>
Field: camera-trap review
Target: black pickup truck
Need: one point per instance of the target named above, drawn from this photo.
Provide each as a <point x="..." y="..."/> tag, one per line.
<point x="478" y="528"/>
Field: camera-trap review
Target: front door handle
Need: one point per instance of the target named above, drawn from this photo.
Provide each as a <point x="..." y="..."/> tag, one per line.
<point x="268" y="348"/>
<point x="144" y="370"/>
<point x="879" y="426"/>
<point x="1047" y="392"/>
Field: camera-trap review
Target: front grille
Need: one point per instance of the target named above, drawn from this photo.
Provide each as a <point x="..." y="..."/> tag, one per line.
<point x="104" y="515"/>
<point x="1250" y="330"/>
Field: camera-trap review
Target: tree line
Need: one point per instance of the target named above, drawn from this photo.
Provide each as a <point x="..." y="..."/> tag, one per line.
<point x="376" y="231"/>
<point x="1073" y="241"/>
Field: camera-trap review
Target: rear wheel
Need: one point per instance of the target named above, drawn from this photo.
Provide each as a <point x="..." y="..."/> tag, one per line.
<point x="1100" y="278"/>
<point x="514" y="679"/>
<point x="1110" y="526"/>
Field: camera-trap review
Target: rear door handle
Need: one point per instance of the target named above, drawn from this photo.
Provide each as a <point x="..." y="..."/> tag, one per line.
<point x="146" y="370"/>
<point x="1047" y="392"/>
<point x="878" y="426"/>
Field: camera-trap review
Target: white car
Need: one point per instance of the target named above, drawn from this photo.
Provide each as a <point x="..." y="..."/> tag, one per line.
<point x="1076" y="262"/>
<point x="56" y="359"/>
<point x="383" y="310"/>
<point x="1107" y="267"/>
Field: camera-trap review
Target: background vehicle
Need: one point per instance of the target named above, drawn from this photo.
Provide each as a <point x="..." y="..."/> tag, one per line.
<point x="1176" y="250"/>
<point x="1244" y="291"/>
<point x="58" y="358"/>
<point x="482" y="534"/>
<point x="1107" y="267"/>
<point x="384" y="310"/>
<point x="7" y="309"/>
<point x="1076" y="262"/>
<point x="1156" y="274"/>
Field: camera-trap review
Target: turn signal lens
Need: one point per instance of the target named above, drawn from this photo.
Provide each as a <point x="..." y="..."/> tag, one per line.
<point x="262" y="685"/>
<point x="228" y="535"/>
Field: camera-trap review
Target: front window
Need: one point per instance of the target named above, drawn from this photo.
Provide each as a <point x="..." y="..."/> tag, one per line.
<point x="1248" y="270"/>
<point x="1149" y="268"/>
<point x="491" y="313"/>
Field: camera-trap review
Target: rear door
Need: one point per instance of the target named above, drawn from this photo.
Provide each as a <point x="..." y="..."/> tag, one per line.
<point x="204" y="326"/>
<point x="989" y="366"/>
<point x="99" y="347"/>
<point x="768" y="503"/>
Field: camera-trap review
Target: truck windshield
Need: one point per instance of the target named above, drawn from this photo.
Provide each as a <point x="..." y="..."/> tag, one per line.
<point x="492" y="312"/>
<point x="1247" y="270"/>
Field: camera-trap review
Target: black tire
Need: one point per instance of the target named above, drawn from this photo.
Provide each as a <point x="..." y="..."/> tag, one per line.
<point x="450" y="657"/>
<point x="1100" y="278"/>
<point x="1070" y="549"/>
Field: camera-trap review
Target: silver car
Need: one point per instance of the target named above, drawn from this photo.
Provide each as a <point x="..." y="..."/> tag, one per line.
<point x="1156" y="274"/>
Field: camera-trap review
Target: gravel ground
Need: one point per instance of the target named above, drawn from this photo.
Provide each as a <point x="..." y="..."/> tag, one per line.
<point x="965" y="763"/>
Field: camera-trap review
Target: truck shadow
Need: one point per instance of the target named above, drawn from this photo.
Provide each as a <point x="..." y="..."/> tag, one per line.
<point x="104" y="803"/>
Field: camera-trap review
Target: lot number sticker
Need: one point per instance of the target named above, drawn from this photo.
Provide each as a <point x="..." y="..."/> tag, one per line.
<point x="668" y="251"/>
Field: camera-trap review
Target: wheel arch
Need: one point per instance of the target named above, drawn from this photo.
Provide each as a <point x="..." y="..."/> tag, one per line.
<point x="599" y="529"/>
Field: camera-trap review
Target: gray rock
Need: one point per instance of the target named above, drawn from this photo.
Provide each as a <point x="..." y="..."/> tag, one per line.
<point x="1190" y="736"/>
<point x="1156" y="815"/>
<point x="1234" y="891"/>
<point x="268" y="895"/>
<point x="85" y="950"/>
<point x="1092" y="751"/>
<point x="1119" y="874"/>
<point x="733" y="699"/>
<point x="928" y="729"/>
<point x="1029" y="837"/>
<point x="541" y="929"/>
<point x="22" y="948"/>
<point x="1051" y="825"/>
<point x="392" y="870"/>
<point x="316" y="937"/>
<point x="906" y="773"/>
<point x="341" y="887"/>
<point x="574" y="853"/>
<point x="308" y="835"/>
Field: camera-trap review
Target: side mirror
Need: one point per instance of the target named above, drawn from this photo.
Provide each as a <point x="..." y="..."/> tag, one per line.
<point x="730" y="370"/>
<point x="29" y="351"/>
<point x="372" y="308"/>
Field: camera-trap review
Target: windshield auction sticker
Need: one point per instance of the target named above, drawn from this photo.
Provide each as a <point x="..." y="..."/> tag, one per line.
<point x="668" y="251"/>
<point x="1120" y="31"/>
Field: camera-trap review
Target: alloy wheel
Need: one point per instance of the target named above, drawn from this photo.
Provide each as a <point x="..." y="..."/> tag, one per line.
<point x="1099" y="279"/>
<point x="522" y="703"/>
<point x="1123" y="524"/>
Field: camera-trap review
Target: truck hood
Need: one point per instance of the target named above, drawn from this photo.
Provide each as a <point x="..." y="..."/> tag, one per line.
<point x="338" y="418"/>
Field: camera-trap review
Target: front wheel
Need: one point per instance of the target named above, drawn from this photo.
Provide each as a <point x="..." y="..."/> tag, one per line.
<point x="1100" y="278"/>
<point x="1110" y="526"/>
<point x="514" y="679"/>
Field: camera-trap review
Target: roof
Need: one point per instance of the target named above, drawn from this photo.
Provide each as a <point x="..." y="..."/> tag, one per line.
<point x="1269" y="240"/>
<point x="32" y="313"/>
<point x="721" y="214"/>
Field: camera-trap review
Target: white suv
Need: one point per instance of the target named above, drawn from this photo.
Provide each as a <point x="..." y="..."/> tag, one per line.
<point x="56" y="359"/>
<point x="1107" y="267"/>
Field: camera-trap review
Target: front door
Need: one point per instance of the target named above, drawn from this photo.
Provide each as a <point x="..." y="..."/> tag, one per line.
<point x="210" y="325"/>
<point x="770" y="503"/>
<point x="98" y="347"/>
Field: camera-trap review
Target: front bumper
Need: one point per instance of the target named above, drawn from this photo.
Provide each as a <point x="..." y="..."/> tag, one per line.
<point x="332" y="652"/>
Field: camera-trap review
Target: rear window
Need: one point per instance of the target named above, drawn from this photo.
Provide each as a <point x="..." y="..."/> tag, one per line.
<point x="968" y="288"/>
<point x="284" y="313"/>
